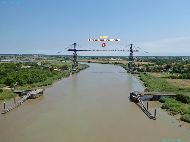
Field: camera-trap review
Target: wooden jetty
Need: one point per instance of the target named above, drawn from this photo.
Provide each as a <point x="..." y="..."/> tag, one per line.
<point x="151" y="96"/>
<point x="30" y="95"/>
<point x="136" y="97"/>
<point x="159" y="93"/>
<point x="155" y="96"/>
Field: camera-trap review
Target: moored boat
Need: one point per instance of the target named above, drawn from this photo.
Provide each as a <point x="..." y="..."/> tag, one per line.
<point x="134" y="96"/>
<point x="36" y="93"/>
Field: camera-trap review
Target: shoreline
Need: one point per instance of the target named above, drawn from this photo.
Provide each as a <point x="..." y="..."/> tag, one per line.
<point x="42" y="86"/>
<point x="10" y="101"/>
<point x="140" y="81"/>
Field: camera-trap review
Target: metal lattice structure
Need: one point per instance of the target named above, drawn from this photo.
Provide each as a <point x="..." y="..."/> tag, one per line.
<point x="75" y="62"/>
<point x="131" y="59"/>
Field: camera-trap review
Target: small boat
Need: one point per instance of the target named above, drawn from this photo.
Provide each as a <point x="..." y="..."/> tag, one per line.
<point x="36" y="93"/>
<point x="134" y="96"/>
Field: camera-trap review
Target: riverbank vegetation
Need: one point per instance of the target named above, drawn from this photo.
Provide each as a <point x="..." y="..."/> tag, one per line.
<point x="158" y="84"/>
<point x="180" y="104"/>
<point x="28" y="75"/>
<point x="6" y="94"/>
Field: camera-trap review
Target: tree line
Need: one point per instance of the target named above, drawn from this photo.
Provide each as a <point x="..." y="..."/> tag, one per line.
<point x="12" y="74"/>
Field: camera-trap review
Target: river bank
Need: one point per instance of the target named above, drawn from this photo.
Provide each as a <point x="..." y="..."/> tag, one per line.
<point x="48" y="77"/>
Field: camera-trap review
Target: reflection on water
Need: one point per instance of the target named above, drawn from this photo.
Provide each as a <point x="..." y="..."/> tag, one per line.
<point x="91" y="106"/>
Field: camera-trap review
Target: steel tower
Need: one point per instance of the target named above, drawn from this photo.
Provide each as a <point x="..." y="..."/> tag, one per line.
<point x="131" y="59"/>
<point x="75" y="62"/>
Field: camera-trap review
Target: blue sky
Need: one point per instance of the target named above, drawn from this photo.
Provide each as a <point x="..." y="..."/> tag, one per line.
<point x="161" y="27"/>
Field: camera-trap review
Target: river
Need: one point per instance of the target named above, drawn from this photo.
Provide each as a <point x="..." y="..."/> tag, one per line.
<point x="91" y="106"/>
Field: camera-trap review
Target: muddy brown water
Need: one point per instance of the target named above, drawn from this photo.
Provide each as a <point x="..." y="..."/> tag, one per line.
<point x="91" y="106"/>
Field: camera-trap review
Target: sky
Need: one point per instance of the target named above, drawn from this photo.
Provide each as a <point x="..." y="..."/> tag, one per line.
<point x="160" y="27"/>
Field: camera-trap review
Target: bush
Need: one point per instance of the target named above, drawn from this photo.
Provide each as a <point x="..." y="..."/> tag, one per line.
<point x="186" y="109"/>
<point x="175" y="106"/>
<point x="6" y="95"/>
<point x="185" y="117"/>
<point x="10" y="81"/>
<point x="163" y="99"/>
<point x="183" y="98"/>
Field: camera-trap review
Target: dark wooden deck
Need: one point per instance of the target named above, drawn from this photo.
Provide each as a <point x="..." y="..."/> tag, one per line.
<point x="22" y="100"/>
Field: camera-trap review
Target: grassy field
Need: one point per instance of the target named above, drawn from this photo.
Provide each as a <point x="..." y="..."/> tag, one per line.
<point x="161" y="84"/>
<point x="182" y="83"/>
<point x="107" y="61"/>
<point x="160" y="75"/>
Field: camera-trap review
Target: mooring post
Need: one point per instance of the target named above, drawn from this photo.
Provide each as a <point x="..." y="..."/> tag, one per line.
<point x="155" y="113"/>
<point x="147" y="105"/>
<point x="4" y="105"/>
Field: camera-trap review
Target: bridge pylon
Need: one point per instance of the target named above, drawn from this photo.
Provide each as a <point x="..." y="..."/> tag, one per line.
<point x="131" y="59"/>
<point x="75" y="62"/>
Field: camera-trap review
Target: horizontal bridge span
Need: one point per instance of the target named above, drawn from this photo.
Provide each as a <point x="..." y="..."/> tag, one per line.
<point x="102" y="50"/>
